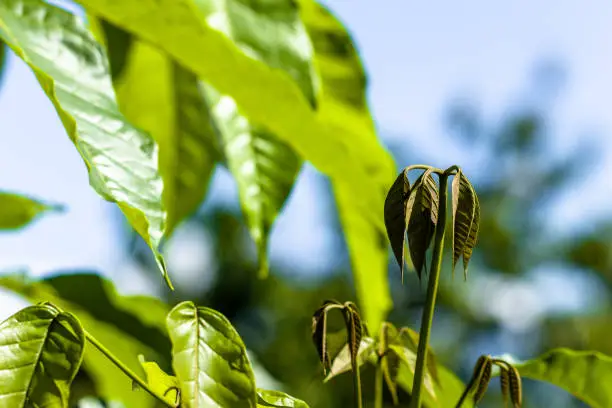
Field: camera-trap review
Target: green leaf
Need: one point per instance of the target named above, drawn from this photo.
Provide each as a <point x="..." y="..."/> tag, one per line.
<point x="73" y="72"/>
<point x="464" y="214"/>
<point x="3" y="58"/>
<point x="17" y="211"/>
<point x="160" y="382"/>
<point x="354" y="327"/>
<point x="343" y="111"/>
<point x="342" y="361"/>
<point x="409" y="338"/>
<point x="126" y="325"/>
<point x="473" y="237"/>
<point x="41" y="350"/>
<point x="422" y="217"/>
<point x="271" y="98"/>
<point x="405" y="374"/>
<point x="209" y="359"/>
<point x="278" y="399"/>
<point x="265" y="168"/>
<point x="395" y="217"/>
<point x="584" y="374"/>
<point x="163" y="98"/>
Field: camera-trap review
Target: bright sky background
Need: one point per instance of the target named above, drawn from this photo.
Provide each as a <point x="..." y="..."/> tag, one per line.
<point x="419" y="56"/>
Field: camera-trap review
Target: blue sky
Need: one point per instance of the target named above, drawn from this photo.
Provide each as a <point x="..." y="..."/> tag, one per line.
<point x="419" y="56"/>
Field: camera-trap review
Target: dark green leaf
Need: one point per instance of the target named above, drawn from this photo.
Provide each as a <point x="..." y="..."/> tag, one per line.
<point x="354" y="328"/>
<point x="164" y="99"/>
<point x="395" y="217"/>
<point x="73" y="72"/>
<point x="126" y="325"/>
<point x="342" y="361"/>
<point x="265" y="168"/>
<point x="319" y="336"/>
<point x="209" y="359"/>
<point x="584" y="374"/>
<point x="473" y="237"/>
<point x="464" y="214"/>
<point x="278" y="399"/>
<point x="482" y="377"/>
<point x="422" y="216"/>
<point x="17" y="211"/>
<point x="41" y="350"/>
<point x="343" y="110"/>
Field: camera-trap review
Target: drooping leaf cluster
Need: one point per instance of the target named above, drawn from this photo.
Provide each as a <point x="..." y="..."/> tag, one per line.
<point x="412" y="211"/>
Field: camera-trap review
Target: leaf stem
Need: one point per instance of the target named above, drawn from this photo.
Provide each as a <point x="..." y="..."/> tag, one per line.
<point x="125" y="369"/>
<point x="432" y="291"/>
<point x="378" y="386"/>
<point x="357" y="386"/>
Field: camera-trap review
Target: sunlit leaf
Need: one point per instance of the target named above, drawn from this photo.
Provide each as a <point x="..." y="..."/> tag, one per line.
<point x="395" y="217"/>
<point x="265" y="168"/>
<point x="410" y="339"/>
<point x="278" y="399"/>
<point x="343" y="111"/>
<point x="41" y="350"/>
<point x="126" y="325"/>
<point x="163" y="98"/>
<point x="464" y="215"/>
<point x="342" y="361"/>
<point x="389" y="361"/>
<point x="405" y="374"/>
<point x="209" y="359"/>
<point x="160" y="382"/>
<point x="422" y="216"/>
<point x="17" y="211"/>
<point x="73" y="72"/>
<point x="583" y="374"/>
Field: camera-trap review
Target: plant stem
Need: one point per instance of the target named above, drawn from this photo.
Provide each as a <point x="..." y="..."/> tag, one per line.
<point x="125" y="369"/>
<point x="432" y="291"/>
<point x="357" y="386"/>
<point x="378" y="386"/>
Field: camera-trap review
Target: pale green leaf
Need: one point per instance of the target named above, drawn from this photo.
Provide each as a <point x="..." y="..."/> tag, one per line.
<point x="160" y="382"/>
<point x="584" y="374"/>
<point x="41" y="350"/>
<point x="127" y="326"/>
<point x="72" y="70"/>
<point x="163" y="98"/>
<point x="342" y="361"/>
<point x="209" y="359"/>
<point x="278" y="399"/>
<point x="343" y="110"/>
<point x="264" y="167"/>
<point x="271" y="98"/>
<point x="17" y="211"/>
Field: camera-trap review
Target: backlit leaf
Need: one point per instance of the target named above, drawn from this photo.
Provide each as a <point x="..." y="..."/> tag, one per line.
<point x="160" y="382"/>
<point x="342" y="361"/>
<point x="265" y="168"/>
<point x="209" y="359"/>
<point x="405" y="372"/>
<point x="126" y="325"/>
<point x="584" y="374"/>
<point x="410" y="339"/>
<point x="423" y="216"/>
<point x="17" y="211"/>
<point x="395" y="217"/>
<point x="278" y="399"/>
<point x="343" y="111"/>
<point x="464" y="214"/>
<point x="163" y="98"/>
<point x="72" y="70"/>
<point x="41" y="350"/>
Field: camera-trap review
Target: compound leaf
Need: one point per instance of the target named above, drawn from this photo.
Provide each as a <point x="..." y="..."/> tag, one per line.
<point x="209" y="359"/>
<point x="277" y="399"/>
<point x="71" y="68"/>
<point x="464" y="214"/>
<point x="17" y="211"/>
<point x="41" y="350"/>
<point x="473" y="237"/>
<point x="342" y="362"/>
